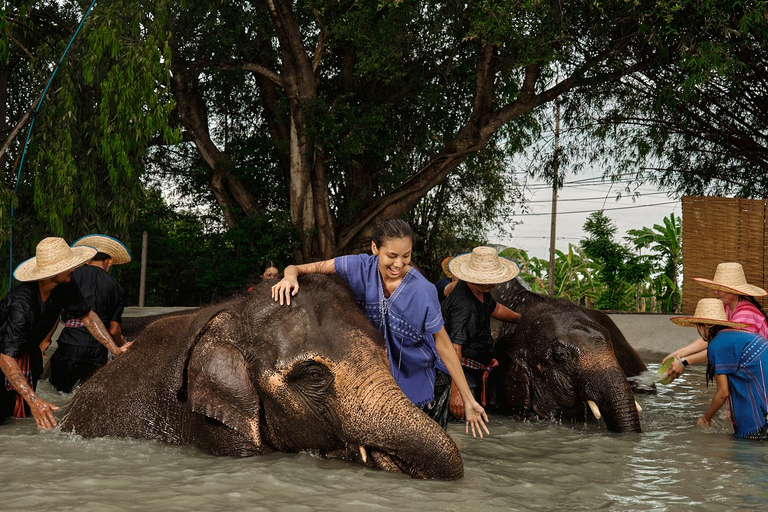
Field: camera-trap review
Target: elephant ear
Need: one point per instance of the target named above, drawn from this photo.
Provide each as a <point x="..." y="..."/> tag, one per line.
<point x="218" y="381"/>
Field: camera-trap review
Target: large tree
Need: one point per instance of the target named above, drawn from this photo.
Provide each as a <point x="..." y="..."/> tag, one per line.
<point x="358" y="108"/>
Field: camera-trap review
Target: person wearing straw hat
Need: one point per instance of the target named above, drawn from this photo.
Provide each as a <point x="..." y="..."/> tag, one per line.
<point x="445" y="284"/>
<point x="468" y="311"/>
<point x="403" y="305"/>
<point x="738" y="363"/>
<point x="29" y="313"/>
<point x="730" y="286"/>
<point x="79" y="355"/>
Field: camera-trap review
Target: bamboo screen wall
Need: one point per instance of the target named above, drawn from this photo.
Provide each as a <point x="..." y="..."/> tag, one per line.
<point x="720" y="229"/>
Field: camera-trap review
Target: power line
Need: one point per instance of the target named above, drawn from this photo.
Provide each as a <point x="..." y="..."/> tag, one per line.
<point x="593" y="211"/>
<point x="590" y="198"/>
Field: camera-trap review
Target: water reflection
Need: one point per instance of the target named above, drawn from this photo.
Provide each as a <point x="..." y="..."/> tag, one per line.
<point x="673" y="464"/>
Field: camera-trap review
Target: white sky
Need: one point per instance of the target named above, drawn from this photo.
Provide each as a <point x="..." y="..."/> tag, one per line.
<point x="583" y="194"/>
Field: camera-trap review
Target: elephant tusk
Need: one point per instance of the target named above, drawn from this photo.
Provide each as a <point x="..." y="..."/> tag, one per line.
<point x="595" y="410"/>
<point x="637" y="406"/>
<point x="363" y="454"/>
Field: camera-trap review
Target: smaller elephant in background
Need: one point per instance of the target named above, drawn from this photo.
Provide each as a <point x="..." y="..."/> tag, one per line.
<point x="249" y="377"/>
<point x="561" y="360"/>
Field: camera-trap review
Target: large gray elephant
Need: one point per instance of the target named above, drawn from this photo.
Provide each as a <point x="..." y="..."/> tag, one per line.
<point x="559" y="358"/>
<point x="249" y="377"/>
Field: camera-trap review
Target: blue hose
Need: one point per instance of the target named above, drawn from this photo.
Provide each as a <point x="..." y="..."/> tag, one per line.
<point x="29" y="133"/>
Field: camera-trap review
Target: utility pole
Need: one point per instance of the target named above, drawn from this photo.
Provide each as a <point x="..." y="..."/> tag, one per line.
<point x="555" y="183"/>
<point x="143" y="276"/>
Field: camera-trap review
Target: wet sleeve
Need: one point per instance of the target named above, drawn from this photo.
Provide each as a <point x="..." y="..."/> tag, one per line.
<point x="458" y="320"/>
<point x="352" y="269"/>
<point x="434" y="316"/>
<point x="120" y="304"/>
<point x="75" y="303"/>
<point x="14" y="331"/>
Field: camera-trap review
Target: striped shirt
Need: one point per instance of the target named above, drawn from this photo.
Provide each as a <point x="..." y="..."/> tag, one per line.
<point x="746" y="313"/>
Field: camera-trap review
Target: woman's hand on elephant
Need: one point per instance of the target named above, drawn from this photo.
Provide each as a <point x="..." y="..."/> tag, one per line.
<point x="476" y="418"/>
<point x="42" y="411"/>
<point x="285" y="289"/>
<point x="455" y="403"/>
<point x="703" y="422"/>
<point x="122" y="349"/>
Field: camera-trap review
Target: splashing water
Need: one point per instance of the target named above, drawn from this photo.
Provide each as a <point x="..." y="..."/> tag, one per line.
<point x="646" y="380"/>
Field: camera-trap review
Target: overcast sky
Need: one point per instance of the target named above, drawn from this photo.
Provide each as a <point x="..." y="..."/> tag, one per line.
<point x="581" y="196"/>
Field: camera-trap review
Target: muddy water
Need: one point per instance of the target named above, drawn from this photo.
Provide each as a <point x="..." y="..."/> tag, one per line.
<point x="672" y="465"/>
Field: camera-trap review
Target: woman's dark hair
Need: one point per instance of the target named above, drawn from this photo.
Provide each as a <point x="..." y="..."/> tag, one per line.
<point x="754" y="302"/>
<point x="391" y="229"/>
<point x="713" y="330"/>
<point x="267" y="264"/>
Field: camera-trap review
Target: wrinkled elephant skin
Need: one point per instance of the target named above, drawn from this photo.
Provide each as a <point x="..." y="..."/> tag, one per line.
<point x="249" y="377"/>
<point x="559" y="357"/>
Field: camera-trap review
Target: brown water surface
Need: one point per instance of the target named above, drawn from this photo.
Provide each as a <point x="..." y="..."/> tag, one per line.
<point x="672" y="465"/>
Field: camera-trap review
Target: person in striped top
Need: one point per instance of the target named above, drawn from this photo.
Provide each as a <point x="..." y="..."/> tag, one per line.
<point x="730" y="286"/>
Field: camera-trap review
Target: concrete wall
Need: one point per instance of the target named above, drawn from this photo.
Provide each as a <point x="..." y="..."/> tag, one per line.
<point x="653" y="333"/>
<point x="650" y="334"/>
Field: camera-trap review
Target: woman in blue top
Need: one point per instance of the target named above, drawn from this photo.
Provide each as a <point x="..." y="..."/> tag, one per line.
<point x="403" y="305"/>
<point x="738" y="360"/>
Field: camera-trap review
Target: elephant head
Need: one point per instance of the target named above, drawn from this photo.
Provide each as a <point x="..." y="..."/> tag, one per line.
<point x="559" y="357"/>
<point x="556" y="361"/>
<point x="250" y="377"/>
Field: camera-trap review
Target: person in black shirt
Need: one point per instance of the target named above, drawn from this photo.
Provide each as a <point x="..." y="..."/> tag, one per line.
<point x="79" y="355"/>
<point x="467" y="312"/>
<point x="29" y="313"/>
<point x="446" y="284"/>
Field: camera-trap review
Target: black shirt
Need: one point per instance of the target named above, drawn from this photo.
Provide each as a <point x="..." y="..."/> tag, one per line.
<point x="468" y="322"/>
<point x="25" y="320"/>
<point x="102" y="294"/>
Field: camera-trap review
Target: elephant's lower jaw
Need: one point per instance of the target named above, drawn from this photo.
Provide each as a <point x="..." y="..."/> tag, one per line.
<point x="379" y="459"/>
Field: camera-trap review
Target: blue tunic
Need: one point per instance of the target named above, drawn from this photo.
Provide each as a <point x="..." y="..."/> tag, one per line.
<point x="407" y="320"/>
<point x="743" y="357"/>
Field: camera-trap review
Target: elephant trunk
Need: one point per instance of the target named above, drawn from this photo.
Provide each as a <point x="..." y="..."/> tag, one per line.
<point x="384" y="429"/>
<point x="612" y="394"/>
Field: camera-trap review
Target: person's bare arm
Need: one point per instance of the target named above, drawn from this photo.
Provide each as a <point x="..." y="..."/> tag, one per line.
<point x="503" y="313"/>
<point x="97" y="329"/>
<point x="456" y="404"/>
<point x="116" y="331"/>
<point x="450" y="286"/>
<point x="721" y="395"/>
<point x="474" y="414"/>
<point x="42" y="411"/>
<point x="289" y="284"/>
<point x="47" y="340"/>
<point x="694" y="353"/>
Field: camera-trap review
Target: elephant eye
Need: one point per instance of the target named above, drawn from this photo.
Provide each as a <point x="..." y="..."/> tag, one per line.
<point x="560" y="353"/>
<point x="311" y="376"/>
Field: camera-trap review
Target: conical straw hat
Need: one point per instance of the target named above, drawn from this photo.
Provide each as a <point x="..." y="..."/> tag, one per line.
<point x="444" y="266"/>
<point x="483" y="266"/>
<point x="52" y="256"/>
<point x="108" y="245"/>
<point x="708" y="312"/>
<point x="729" y="277"/>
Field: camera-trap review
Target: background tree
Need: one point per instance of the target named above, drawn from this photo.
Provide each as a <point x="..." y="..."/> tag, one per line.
<point x="667" y="259"/>
<point x="621" y="271"/>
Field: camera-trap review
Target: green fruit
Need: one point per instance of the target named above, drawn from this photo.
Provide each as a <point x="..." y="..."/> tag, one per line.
<point x="662" y="371"/>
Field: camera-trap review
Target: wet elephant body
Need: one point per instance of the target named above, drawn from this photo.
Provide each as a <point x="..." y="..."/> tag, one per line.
<point x="250" y="377"/>
<point x="559" y="357"/>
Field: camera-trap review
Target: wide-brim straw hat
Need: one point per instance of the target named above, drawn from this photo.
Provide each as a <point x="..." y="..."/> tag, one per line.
<point x="729" y="277"/>
<point x="108" y="245"/>
<point x="52" y="256"/>
<point x="446" y="269"/>
<point x="708" y="312"/>
<point x="483" y="266"/>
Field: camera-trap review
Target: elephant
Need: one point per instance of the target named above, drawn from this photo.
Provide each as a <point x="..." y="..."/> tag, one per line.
<point x="249" y="376"/>
<point x="561" y="358"/>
